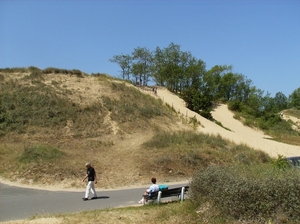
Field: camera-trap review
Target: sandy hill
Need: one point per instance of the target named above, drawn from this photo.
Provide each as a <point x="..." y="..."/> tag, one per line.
<point x="112" y="141"/>
<point x="238" y="133"/>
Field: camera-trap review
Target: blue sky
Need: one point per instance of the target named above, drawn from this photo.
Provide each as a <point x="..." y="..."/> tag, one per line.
<point x="259" y="38"/>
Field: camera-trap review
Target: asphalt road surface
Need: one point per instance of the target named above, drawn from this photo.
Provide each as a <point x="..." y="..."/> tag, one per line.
<point x="22" y="203"/>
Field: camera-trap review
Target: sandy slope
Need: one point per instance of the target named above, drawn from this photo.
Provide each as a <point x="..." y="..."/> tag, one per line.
<point x="239" y="133"/>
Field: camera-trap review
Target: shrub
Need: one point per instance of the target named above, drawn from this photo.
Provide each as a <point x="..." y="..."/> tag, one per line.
<point x="256" y="192"/>
<point x="206" y="114"/>
<point x="280" y="163"/>
<point x="234" y="105"/>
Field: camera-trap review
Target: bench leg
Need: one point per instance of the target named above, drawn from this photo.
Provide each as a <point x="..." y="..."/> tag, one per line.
<point x="158" y="197"/>
<point x="182" y="194"/>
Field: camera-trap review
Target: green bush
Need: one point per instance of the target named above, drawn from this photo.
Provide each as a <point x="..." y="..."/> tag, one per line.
<point x="206" y="114"/>
<point x="280" y="163"/>
<point x="40" y="153"/>
<point x="234" y="105"/>
<point x="252" y="192"/>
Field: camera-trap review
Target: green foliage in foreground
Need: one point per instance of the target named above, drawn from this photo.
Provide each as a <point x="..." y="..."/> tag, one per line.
<point x="40" y="153"/>
<point x="281" y="163"/>
<point x="254" y="193"/>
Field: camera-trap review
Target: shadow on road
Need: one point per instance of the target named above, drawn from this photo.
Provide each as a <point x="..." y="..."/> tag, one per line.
<point x="101" y="197"/>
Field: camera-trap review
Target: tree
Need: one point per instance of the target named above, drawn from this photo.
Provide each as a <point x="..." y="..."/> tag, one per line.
<point x="212" y="78"/>
<point x="197" y="93"/>
<point x="183" y="69"/>
<point x="124" y="61"/>
<point x="294" y="99"/>
<point x="280" y="102"/>
<point x="243" y="89"/>
<point x="137" y="71"/>
<point x="142" y="60"/>
<point x="227" y="86"/>
<point x="195" y="74"/>
<point x="254" y="104"/>
<point x="172" y="69"/>
<point x="159" y="67"/>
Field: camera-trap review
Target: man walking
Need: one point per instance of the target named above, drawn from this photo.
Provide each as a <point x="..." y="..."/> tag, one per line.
<point x="92" y="178"/>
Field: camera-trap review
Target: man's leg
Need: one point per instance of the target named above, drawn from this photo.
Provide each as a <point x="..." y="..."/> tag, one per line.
<point x="87" y="190"/>
<point x="93" y="189"/>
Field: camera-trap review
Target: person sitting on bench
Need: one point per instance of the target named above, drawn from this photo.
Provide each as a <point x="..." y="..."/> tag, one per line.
<point x="154" y="187"/>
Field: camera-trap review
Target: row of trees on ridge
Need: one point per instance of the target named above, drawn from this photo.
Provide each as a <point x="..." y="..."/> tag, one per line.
<point x="184" y="74"/>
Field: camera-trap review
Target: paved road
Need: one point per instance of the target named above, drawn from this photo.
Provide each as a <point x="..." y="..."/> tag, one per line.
<point x="21" y="203"/>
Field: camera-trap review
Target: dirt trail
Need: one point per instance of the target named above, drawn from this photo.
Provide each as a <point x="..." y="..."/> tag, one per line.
<point x="238" y="133"/>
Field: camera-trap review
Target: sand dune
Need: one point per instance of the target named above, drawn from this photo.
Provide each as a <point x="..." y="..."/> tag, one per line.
<point x="238" y="133"/>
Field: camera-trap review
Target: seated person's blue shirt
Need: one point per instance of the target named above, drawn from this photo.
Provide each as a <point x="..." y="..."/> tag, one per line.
<point x="153" y="188"/>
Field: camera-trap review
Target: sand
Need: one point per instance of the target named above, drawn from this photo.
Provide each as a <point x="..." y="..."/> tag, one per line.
<point x="237" y="133"/>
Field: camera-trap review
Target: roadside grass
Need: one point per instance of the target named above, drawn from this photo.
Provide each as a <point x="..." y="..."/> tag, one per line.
<point x="163" y="213"/>
<point x="175" y="212"/>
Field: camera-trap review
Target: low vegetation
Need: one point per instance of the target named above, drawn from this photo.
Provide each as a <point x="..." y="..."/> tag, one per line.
<point x="40" y="154"/>
<point x="256" y="193"/>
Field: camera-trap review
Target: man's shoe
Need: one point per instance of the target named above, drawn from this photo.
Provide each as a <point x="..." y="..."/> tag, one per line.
<point x="94" y="197"/>
<point x="85" y="199"/>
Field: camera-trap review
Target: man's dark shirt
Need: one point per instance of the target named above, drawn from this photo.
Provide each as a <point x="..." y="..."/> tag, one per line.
<point x="91" y="174"/>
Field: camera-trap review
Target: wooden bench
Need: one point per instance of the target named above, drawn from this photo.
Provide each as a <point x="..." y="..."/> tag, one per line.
<point x="179" y="192"/>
